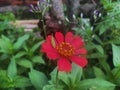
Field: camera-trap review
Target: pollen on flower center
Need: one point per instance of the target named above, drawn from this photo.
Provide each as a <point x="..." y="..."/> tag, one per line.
<point x="65" y="49"/>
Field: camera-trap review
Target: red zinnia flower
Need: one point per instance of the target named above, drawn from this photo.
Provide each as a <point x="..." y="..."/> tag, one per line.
<point x="65" y="50"/>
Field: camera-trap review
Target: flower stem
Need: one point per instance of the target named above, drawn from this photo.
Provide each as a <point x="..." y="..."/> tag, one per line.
<point x="41" y="18"/>
<point x="44" y="26"/>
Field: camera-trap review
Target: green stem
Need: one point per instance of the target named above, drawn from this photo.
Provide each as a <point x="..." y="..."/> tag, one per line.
<point x="44" y="28"/>
<point x="43" y="23"/>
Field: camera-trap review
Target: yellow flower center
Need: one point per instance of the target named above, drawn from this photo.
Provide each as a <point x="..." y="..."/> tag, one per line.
<point x="65" y="49"/>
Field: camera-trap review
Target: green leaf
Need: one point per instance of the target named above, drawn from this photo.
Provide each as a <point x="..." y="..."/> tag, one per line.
<point x="9" y="16"/>
<point x="103" y="27"/>
<point x="52" y="87"/>
<point x="97" y="38"/>
<point x="21" y="82"/>
<point x="38" y="59"/>
<point x="2" y="73"/>
<point x="4" y="57"/>
<point x="116" y="55"/>
<point x="116" y="75"/>
<point x="96" y="55"/>
<point x="99" y="73"/>
<point x="36" y="46"/>
<point x="64" y="77"/>
<point x="12" y="69"/>
<point x="20" y="41"/>
<point x="6" y="45"/>
<point x="7" y="41"/>
<point x="104" y="2"/>
<point x="5" y="82"/>
<point x="75" y="74"/>
<point x="5" y="25"/>
<point x="25" y="63"/>
<point x="38" y="79"/>
<point x="97" y="84"/>
<point x="53" y="76"/>
<point x="20" y="54"/>
<point x="100" y="48"/>
<point x="72" y="78"/>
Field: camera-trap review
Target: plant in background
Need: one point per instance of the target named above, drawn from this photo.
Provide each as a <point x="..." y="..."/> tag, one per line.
<point x="89" y="60"/>
<point x="41" y="10"/>
<point x="17" y="55"/>
<point x="102" y="43"/>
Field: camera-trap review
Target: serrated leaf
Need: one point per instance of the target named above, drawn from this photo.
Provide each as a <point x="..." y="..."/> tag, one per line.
<point x="12" y="68"/>
<point x="38" y="79"/>
<point x="20" y="41"/>
<point x="116" y="55"/>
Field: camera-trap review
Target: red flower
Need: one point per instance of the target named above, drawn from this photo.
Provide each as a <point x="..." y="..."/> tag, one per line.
<point x="65" y="50"/>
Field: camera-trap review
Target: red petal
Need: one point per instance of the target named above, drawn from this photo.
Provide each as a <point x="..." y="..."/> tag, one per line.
<point x="64" y="65"/>
<point x="53" y="55"/>
<point x="77" y="42"/>
<point x="81" y="61"/>
<point x="59" y="37"/>
<point x="81" y="51"/>
<point x="47" y="46"/>
<point x="69" y="37"/>
<point x="49" y="49"/>
<point x="49" y="39"/>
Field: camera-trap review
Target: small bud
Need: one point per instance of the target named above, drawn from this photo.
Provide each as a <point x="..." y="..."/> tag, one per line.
<point x="67" y="19"/>
<point x="100" y="15"/>
<point x="59" y="22"/>
<point x="38" y="3"/>
<point x="74" y="17"/>
<point x="91" y="28"/>
<point x="81" y="15"/>
<point x="31" y="10"/>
